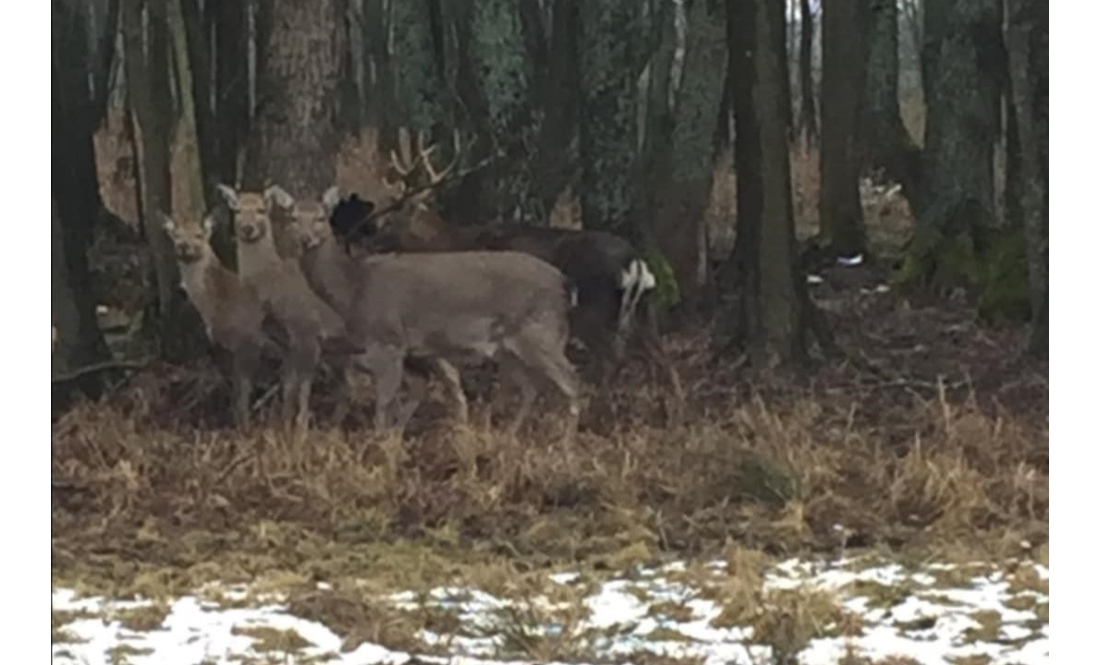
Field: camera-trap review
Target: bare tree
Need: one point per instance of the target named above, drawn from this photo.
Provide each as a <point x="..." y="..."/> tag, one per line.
<point x="1028" y="47"/>
<point x="300" y="62"/>
<point x="808" y="111"/>
<point x="964" y="71"/>
<point x="775" y="314"/>
<point x="82" y="41"/>
<point x="844" y="67"/>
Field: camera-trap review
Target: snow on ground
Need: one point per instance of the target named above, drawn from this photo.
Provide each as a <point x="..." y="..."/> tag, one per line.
<point x="937" y="614"/>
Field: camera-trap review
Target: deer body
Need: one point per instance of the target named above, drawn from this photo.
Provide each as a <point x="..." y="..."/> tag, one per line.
<point x="612" y="279"/>
<point x="505" y="306"/>
<point x="231" y="311"/>
<point x="310" y="325"/>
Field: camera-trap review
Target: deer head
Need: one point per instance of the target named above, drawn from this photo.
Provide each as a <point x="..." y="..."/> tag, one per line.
<point x="412" y="180"/>
<point x="309" y="220"/>
<point x="190" y="243"/>
<point x="251" y="211"/>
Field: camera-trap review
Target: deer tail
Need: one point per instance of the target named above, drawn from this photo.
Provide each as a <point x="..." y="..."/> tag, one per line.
<point x="634" y="281"/>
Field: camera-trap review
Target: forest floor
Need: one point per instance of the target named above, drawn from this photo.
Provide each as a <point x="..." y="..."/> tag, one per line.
<point x="889" y="505"/>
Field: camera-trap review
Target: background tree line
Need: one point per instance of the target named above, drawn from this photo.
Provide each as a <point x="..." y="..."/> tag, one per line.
<point x="627" y="105"/>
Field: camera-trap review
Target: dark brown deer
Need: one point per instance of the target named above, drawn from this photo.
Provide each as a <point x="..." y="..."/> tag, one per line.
<point x="231" y="310"/>
<point x="505" y="306"/>
<point x="310" y="325"/>
<point x="614" y="282"/>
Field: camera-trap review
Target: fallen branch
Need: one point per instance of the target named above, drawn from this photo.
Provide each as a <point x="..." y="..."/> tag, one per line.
<point x="96" y="368"/>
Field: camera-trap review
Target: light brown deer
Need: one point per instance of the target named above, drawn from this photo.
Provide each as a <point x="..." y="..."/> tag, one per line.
<point x="505" y="306"/>
<point x="310" y="324"/>
<point x="613" y="281"/>
<point x="231" y="311"/>
<point x="328" y="281"/>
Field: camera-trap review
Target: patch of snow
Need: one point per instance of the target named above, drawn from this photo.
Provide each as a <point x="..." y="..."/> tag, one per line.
<point x="930" y="624"/>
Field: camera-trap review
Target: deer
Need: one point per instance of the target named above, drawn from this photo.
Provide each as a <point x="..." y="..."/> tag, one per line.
<point x="503" y="306"/>
<point x="332" y="286"/>
<point x="614" y="282"/>
<point x="231" y="310"/>
<point x="310" y="325"/>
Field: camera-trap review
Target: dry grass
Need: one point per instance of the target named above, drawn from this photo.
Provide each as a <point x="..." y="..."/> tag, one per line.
<point x="929" y="437"/>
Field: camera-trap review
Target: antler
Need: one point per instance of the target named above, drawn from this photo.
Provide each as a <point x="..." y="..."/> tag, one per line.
<point x="436" y="177"/>
<point x="404" y="163"/>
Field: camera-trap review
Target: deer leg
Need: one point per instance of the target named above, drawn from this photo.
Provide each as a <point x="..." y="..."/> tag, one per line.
<point x="417" y="388"/>
<point x="453" y="381"/>
<point x="514" y="372"/>
<point x="245" y="362"/>
<point x="289" y="381"/>
<point x="344" y="389"/>
<point x="387" y="367"/>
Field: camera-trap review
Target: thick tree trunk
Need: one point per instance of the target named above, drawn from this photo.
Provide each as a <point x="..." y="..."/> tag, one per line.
<point x="378" y="92"/>
<point x="963" y="74"/>
<point x="682" y="175"/>
<point x="1028" y="47"/>
<point x="557" y="96"/>
<point x="300" y="63"/>
<point x="150" y="105"/>
<point x="775" y="311"/>
<point x="887" y="142"/>
<point x="80" y="52"/>
<point x="611" y="49"/>
<point x="844" y="59"/>
<point x="188" y="135"/>
<point x="192" y="63"/>
<point x="231" y="83"/>
<point x="808" y="112"/>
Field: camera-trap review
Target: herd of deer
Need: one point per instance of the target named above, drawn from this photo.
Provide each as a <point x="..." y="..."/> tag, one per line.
<point x="425" y="298"/>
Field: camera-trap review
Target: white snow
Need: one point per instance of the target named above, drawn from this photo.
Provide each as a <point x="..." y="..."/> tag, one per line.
<point x="618" y="621"/>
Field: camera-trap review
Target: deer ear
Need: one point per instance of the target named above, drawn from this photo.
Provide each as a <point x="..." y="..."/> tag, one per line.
<point x="331" y="198"/>
<point x="166" y="222"/>
<point x="230" y="196"/>
<point x="279" y="196"/>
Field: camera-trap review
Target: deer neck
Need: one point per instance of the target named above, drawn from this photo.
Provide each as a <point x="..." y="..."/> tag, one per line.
<point x="254" y="259"/>
<point x="330" y="273"/>
<point x="204" y="282"/>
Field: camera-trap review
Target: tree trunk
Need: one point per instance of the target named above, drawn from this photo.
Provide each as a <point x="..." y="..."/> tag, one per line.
<point x="683" y="173"/>
<point x="844" y="58"/>
<point x="150" y="102"/>
<point x="557" y="96"/>
<point x="231" y="83"/>
<point x="808" y="115"/>
<point x="963" y="74"/>
<point x="187" y="132"/>
<point x="1028" y="47"/>
<point x="378" y="91"/>
<point x="610" y="45"/>
<point x="76" y="111"/>
<point x="775" y="310"/>
<point x="887" y="142"/>
<point x="193" y="64"/>
<point x="300" y="61"/>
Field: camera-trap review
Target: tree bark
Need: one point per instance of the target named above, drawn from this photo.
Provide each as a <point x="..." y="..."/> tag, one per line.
<point x="76" y="111"/>
<point x="150" y="105"/>
<point x="844" y="58"/>
<point x="887" y="143"/>
<point x="775" y="313"/>
<point x="300" y="66"/>
<point x="187" y="133"/>
<point x="611" y="48"/>
<point x="1028" y="48"/>
<point x="808" y="114"/>
<point x="963" y="74"/>
<point x="193" y="64"/>
<point x="231" y="83"/>
<point x="682" y="168"/>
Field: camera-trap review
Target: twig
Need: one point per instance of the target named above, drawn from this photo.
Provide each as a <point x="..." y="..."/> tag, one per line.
<point x="95" y="368"/>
